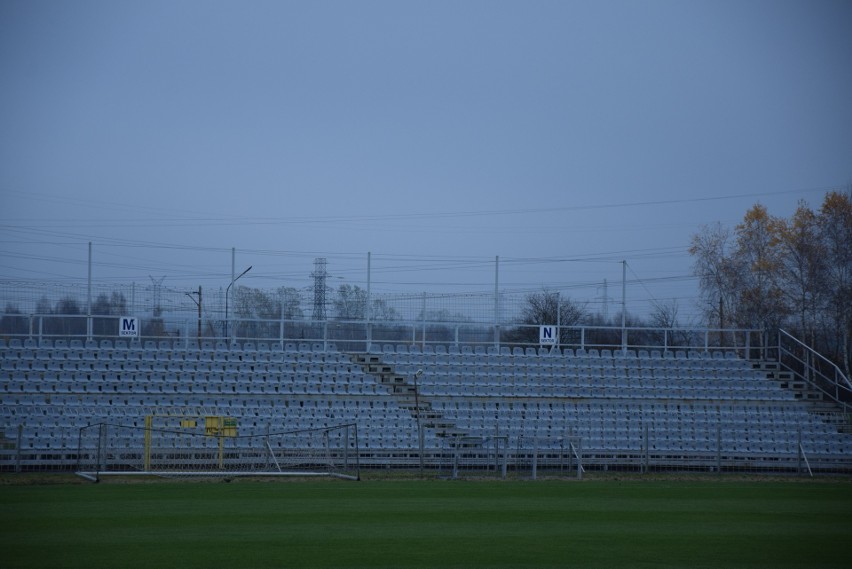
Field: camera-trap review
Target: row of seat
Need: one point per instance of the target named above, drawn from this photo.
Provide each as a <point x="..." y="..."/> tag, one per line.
<point x="675" y="404"/>
<point x="338" y="383"/>
<point x="40" y="369"/>
<point x="165" y="346"/>
<point x="69" y="357"/>
<point x="675" y="434"/>
<point x="37" y="368"/>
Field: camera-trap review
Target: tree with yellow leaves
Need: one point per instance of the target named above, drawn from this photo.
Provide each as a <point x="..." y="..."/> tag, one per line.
<point x="773" y="272"/>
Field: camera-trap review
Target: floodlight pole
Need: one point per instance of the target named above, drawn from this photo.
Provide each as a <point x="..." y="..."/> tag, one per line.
<point x="417" y="374"/>
<point x="227" y="330"/>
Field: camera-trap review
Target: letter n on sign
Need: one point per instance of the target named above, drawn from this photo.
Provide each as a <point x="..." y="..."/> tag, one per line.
<point x="547" y="335"/>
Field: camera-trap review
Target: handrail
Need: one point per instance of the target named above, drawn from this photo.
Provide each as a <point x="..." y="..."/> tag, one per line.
<point x="837" y="369"/>
<point x="839" y="382"/>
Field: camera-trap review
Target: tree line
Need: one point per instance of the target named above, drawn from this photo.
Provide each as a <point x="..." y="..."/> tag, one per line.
<point x="67" y="318"/>
<point x="773" y="272"/>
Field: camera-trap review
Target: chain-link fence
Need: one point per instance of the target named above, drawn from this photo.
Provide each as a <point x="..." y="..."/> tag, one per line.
<point x="353" y="321"/>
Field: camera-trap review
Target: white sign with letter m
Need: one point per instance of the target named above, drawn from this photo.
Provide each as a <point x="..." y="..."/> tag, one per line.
<point x="128" y="326"/>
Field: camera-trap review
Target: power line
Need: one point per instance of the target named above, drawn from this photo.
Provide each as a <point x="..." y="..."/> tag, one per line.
<point x="230" y="220"/>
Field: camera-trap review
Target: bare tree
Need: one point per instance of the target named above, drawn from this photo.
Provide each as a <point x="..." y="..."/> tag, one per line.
<point x="291" y="303"/>
<point x="350" y="303"/>
<point x="259" y="313"/>
<point x="382" y="311"/>
<point x="68" y="321"/>
<point x="108" y="305"/>
<point x="716" y="271"/>
<point x="664" y="315"/>
<point x="541" y="308"/>
<point x="13" y="322"/>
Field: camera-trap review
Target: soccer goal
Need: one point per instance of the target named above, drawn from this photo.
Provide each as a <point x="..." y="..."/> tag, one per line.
<point x="210" y="446"/>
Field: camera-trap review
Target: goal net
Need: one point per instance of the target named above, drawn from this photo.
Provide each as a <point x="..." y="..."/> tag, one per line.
<point x="210" y="446"/>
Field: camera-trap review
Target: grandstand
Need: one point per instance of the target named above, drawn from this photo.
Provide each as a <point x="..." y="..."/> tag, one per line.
<point x="626" y="409"/>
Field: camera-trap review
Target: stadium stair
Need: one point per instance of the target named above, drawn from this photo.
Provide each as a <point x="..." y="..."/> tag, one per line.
<point x="824" y="409"/>
<point x="404" y="392"/>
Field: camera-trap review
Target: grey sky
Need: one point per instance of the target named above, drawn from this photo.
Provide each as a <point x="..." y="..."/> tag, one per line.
<point x="435" y="134"/>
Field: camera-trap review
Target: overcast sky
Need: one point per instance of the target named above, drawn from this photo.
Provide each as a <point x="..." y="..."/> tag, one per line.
<point x="436" y="135"/>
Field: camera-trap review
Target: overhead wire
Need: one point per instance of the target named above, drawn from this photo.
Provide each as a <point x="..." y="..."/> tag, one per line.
<point x="255" y="220"/>
<point x="52" y="232"/>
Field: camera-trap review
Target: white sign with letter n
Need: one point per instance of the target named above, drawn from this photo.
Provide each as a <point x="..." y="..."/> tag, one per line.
<point x="547" y="335"/>
<point x="128" y="327"/>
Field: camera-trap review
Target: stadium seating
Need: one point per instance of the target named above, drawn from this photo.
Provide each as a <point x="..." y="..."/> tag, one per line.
<point x="613" y="404"/>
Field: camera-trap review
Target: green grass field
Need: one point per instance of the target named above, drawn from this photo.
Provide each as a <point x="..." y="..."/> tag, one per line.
<point x="442" y="524"/>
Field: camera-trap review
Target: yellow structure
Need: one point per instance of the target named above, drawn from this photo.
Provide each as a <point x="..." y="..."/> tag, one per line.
<point x="214" y="426"/>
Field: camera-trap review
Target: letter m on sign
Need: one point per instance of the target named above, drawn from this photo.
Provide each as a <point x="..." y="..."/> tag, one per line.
<point x="128" y="327"/>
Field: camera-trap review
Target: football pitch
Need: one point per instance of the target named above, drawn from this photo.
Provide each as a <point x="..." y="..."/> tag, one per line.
<point x="428" y="523"/>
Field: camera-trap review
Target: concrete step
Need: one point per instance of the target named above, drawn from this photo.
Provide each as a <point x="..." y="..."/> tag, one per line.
<point x="390" y="378"/>
<point x="404" y="393"/>
<point x="779" y="375"/>
<point x="450" y="433"/>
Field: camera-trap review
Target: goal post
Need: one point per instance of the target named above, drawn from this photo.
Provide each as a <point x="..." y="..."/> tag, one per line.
<point x="212" y="448"/>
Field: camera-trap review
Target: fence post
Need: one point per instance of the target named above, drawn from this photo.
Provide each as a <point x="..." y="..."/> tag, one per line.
<point x="455" y="460"/>
<point x="497" y="301"/>
<point x="719" y="448"/>
<point x="369" y="308"/>
<point x="18" y="445"/>
<point x="799" y="450"/>
<point x="647" y="450"/>
<point x="535" y="458"/>
<point x="579" y="458"/>
<point x="102" y="450"/>
<point x="89" y="301"/>
<point x="280" y="320"/>
<point x="568" y="449"/>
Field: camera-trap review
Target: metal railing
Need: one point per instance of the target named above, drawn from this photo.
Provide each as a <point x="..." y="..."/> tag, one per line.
<point x="364" y="336"/>
<point x="814" y="368"/>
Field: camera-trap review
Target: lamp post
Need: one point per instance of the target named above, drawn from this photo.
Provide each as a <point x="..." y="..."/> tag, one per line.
<point x="198" y="304"/>
<point x="417" y="374"/>
<point x="227" y="292"/>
